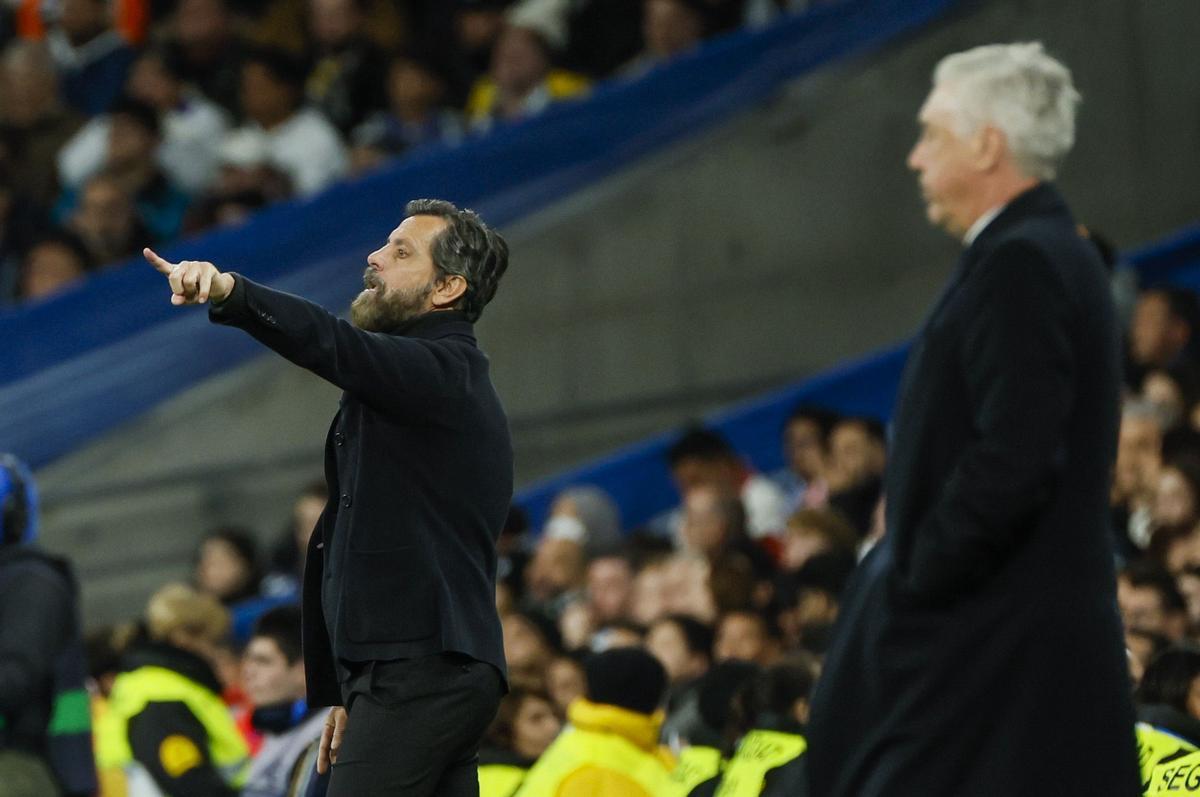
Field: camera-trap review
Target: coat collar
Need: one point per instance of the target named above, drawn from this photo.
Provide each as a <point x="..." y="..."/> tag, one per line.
<point x="1041" y="200"/>
<point x="169" y="657"/>
<point x="641" y="730"/>
<point x="436" y="324"/>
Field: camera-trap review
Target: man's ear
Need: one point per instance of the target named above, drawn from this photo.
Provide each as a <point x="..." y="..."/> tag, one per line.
<point x="448" y="290"/>
<point x="990" y="147"/>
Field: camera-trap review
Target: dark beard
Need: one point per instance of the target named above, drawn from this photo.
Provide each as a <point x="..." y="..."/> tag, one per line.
<point x="385" y="308"/>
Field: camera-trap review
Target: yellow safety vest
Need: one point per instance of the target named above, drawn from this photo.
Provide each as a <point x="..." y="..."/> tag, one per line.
<point x="1176" y="778"/>
<point x="757" y="754"/>
<point x="1155" y="745"/>
<point x="500" y="780"/>
<point x="132" y="692"/>
<point x="696" y="765"/>
<point x="575" y="749"/>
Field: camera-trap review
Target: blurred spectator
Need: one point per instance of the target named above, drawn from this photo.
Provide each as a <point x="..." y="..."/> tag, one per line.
<point x="191" y="128"/>
<point x="1168" y="708"/>
<point x="346" y="80"/>
<point x="21" y="222"/>
<point x="92" y="57"/>
<point x="857" y="456"/>
<point x="298" y="141"/>
<point x="53" y="262"/>
<point x="747" y="636"/>
<point x="669" y="28"/>
<point x="1177" y="493"/>
<point x="227" y="565"/>
<point x="714" y="526"/>
<point x="683" y="646"/>
<point x="1173" y="391"/>
<point x="810" y="598"/>
<point x="610" y="748"/>
<point x="246" y="181"/>
<point x="702" y="457"/>
<point x="582" y="519"/>
<point x="530" y="640"/>
<point x="209" y="52"/>
<point x="521" y="80"/>
<point x="477" y="27"/>
<point x="273" y="676"/>
<point x="609" y="588"/>
<point x="166" y="724"/>
<point x="586" y="515"/>
<point x="815" y="531"/>
<point x="565" y="681"/>
<point x="106" y="220"/>
<point x="769" y="715"/>
<point x="131" y="158"/>
<point x="618" y="634"/>
<point x="287" y="556"/>
<point x="417" y="113"/>
<point x="45" y="744"/>
<point x="512" y="556"/>
<point x="806" y="449"/>
<point x="1150" y="602"/>
<point x="706" y="722"/>
<point x="1162" y="332"/>
<point x="1139" y="458"/>
<point x="33" y="122"/>
<point x="525" y="725"/>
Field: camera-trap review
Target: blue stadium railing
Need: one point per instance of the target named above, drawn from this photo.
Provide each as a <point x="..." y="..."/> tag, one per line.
<point x="78" y="365"/>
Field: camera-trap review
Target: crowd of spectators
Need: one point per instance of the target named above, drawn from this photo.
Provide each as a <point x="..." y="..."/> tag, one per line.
<point x="127" y="123"/>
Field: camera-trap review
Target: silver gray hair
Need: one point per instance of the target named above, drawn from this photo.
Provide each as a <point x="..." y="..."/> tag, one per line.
<point x="1021" y="91"/>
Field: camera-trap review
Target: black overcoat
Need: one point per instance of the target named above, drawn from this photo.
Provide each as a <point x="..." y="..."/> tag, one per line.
<point x="419" y="464"/>
<point x="979" y="649"/>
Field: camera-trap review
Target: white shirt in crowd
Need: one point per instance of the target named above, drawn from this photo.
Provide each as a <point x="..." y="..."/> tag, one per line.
<point x="307" y="148"/>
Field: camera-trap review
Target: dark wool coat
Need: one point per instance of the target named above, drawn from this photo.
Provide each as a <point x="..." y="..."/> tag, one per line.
<point x="979" y="650"/>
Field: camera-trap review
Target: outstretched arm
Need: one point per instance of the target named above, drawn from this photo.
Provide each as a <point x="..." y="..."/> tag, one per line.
<point x="192" y="281"/>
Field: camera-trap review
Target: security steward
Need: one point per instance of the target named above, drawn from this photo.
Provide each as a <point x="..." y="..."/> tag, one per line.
<point x="166" y="728"/>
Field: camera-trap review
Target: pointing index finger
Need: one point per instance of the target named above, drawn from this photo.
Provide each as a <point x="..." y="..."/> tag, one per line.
<point x="162" y="266"/>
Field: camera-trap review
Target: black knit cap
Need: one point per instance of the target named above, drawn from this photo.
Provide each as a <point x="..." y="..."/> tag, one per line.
<point x="626" y="677"/>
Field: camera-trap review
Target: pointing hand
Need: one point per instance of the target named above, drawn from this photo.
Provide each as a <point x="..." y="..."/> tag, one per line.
<point x="192" y="281"/>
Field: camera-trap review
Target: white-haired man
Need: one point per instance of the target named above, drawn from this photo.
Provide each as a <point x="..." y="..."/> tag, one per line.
<point x="979" y="649"/>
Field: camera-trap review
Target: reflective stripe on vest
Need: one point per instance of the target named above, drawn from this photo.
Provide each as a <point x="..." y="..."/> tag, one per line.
<point x="696" y="765"/>
<point x="758" y="753"/>
<point x="133" y="691"/>
<point x="1155" y="746"/>
<point x="500" y="780"/>
<point x="575" y="749"/>
<point x="1176" y="778"/>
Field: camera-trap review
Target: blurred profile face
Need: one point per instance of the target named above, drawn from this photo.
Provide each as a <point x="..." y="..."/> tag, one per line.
<point x="49" y="267"/>
<point x="801" y="544"/>
<point x="221" y="571"/>
<point x="1141" y="608"/>
<point x="1174" y="501"/>
<point x="82" y="20"/>
<point x="1160" y="389"/>
<point x="201" y="23"/>
<point x="944" y="162"/>
<point x="523" y="643"/>
<point x="519" y="61"/>
<point x="266" y="99"/>
<point x="129" y="142"/>
<point x="28" y="89"/>
<point x="649" y="594"/>
<point x="478" y="28"/>
<point x="1139" y="457"/>
<point x="804" y="448"/>
<point x="1155" y="338"/>
<point x="669" y="27"/>
<point x="667" y="643"/>
<point x="557" y="567"/>
<point x="741" y="635"/>
<point x="305" y="514"/>
<point x="400" y="277"/>
<point x="854" y="456"/>
<point x="705" y="528"/>
<point x="412" y="89"/>
<point x="267" y="676"/>
<point x="610" y="588"/>
<point x="534" y="727"/>
<point x="106" y="215"/>
<point x="334" y="22"/>
<point x="565" y="681"/>
<point x="150" y="82"/>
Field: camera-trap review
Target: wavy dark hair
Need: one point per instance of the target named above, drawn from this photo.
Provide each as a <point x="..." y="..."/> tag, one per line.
<point x="467" y="248"/>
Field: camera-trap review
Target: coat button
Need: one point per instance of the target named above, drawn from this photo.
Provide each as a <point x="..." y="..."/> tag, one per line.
<point x="346" y="501"/>
<point x="339" y="439"/>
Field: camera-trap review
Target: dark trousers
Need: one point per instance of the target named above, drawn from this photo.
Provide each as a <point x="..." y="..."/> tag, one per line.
<point x="414" y="727"/>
